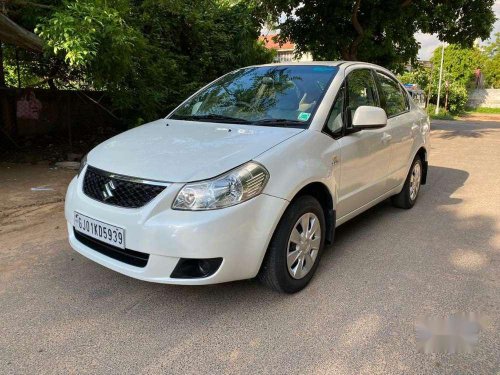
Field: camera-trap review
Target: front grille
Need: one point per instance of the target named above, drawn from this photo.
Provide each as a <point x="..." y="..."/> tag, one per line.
<point x="119" y="190"/>
<point x="132" y="257"/>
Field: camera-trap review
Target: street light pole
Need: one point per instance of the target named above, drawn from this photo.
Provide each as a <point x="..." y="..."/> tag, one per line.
<point x="429" y="90"/>
<point x="440" y="80"/>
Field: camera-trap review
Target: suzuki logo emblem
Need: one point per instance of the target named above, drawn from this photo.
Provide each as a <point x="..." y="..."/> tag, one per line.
<point x="107" y="193"/>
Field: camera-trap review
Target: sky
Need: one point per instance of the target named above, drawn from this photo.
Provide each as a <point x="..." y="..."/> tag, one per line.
<point x="429" y="42"/>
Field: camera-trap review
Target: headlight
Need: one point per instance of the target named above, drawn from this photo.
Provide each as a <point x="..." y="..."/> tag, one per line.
<point x="229" y="189"/>
<point x="83" y="163"/>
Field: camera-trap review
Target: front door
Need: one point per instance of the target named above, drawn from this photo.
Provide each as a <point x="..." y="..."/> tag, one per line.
<point x="364" y="154"/>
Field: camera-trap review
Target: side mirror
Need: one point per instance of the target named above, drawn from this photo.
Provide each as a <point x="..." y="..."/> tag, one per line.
<point x="368" y="117"/>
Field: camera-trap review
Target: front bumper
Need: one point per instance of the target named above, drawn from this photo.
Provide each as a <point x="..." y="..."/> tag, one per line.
<point x="239" y="234"/>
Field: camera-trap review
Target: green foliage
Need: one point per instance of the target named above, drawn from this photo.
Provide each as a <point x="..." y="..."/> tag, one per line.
<point x="493" y="48"/>
<point x="457" y="97"/>
<point x="491" y="69"/>
<point x="148" y="55"/>
<point x="189" y="43"/>
<point x="458" y="74"/>
<point x="442" y="115"/>
<point x="91" y="35"/>
<point x="419" y="75"/>
<point x="28" y="73"/>
<point x="459" y="63"/>
<point x="379" y="31"/>
<point x="485" y="110"/>
<point x="491" y="72"/>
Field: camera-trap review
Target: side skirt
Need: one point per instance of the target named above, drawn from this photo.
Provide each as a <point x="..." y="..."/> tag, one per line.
<point x="356" y="212"/>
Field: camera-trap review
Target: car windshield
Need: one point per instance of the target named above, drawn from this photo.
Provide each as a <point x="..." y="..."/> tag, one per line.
<point x="265" y="95"/>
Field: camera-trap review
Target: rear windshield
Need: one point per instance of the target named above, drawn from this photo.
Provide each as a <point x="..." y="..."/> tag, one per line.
<point x="270" y="95"/>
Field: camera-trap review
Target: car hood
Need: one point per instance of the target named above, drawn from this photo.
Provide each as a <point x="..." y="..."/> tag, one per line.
<point x="183" y="151"/>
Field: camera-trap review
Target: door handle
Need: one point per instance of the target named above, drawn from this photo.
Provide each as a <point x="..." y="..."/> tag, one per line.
<point x="335" y="160"/>
<point x="386" y="138"/>
<point x="414" y="128"/>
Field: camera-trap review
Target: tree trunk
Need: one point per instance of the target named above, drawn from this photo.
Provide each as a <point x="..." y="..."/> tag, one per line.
<point x="349" y="53"/>
<point x="18" y="66"/>
<point x="11" y="32"/>
<point x="353" y="47"/>
<point x="446" y="99"/>
<point x="2" y="71"/>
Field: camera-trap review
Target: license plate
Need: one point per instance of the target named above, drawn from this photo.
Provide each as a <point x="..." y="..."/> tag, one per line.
<point x="100" y="231"/>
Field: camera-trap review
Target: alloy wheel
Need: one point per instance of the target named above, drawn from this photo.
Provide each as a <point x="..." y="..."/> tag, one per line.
<point x="416" y="176"/>
<point x="303" y="245"/>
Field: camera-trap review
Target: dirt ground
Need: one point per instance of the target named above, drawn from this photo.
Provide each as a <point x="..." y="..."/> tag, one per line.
<point x="62" y="313"/>
<point x="30" y="216"/>
<point x="481" y="117"/>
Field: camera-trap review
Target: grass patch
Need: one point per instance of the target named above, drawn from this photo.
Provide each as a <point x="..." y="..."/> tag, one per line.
<point x="484" y="110"/>
<point x="442" y="116"/>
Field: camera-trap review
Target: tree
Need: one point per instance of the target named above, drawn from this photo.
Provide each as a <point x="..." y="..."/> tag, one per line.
<point x="419" y="75"/>
<point x="458" y="74"/>
<point x="492" y="72"/>
<point x="147" y="54"/>
<point x="493" y="48"/>
<point x="491" y="69"/>
<point x="379" y="31"/>
<point x="459" y="63"/>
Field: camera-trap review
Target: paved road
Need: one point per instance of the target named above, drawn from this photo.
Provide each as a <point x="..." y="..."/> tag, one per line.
<point x="61" y="313"/>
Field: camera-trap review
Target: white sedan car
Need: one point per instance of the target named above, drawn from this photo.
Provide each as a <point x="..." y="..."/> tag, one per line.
<point x="250" y="175"/>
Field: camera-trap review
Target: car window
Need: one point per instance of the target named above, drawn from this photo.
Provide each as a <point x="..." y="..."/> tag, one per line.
<point x="361" y="90"/>
<point x="334" y="123"/>
<point x="394" y="100"/>
<point x="260" y="95"/>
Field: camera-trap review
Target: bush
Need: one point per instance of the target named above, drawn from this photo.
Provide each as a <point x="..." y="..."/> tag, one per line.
<point x="457" y="97"/>
<point x="147" y="55"/>
<point x="442" y="115"/>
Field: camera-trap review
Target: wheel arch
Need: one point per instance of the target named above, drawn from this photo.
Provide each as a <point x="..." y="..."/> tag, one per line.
<point x="320" y="191"/>
<point x="422" y="153"/>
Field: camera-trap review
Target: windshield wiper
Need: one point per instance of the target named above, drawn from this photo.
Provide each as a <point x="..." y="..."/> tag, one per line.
<point x="278" y="121"/>
<point x="228" y="119"/>
<point x="213" y="117"/>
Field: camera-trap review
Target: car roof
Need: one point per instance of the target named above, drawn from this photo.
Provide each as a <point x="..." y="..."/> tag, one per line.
<point x="292" y="63"/>
<point x="340" y="64"/>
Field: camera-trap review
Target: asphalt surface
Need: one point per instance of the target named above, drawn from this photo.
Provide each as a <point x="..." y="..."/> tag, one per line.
<point x="61" y="313"/>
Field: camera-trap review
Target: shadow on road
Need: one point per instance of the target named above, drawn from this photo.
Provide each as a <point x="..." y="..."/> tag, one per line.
<point x="453" y="129"/>
<point x="449" y="180"/>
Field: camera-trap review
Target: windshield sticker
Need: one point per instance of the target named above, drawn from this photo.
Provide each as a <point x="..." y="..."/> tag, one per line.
<point x="303" y="116"/>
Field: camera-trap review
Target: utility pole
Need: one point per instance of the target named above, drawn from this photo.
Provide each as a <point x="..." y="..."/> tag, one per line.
<point x="440" y="80"/>
<point x="429" y="90"/>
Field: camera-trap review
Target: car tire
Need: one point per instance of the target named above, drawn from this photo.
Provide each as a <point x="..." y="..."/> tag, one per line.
<point x="276" y="272"/>
<point x="408" y="196"/>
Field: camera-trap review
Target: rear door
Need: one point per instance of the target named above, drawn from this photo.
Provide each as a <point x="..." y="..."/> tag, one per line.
<point x="402" y="124"/>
